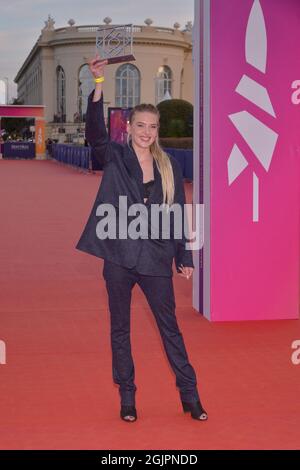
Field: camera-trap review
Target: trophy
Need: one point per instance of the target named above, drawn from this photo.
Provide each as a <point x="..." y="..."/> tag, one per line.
<point x="114" y="43"/>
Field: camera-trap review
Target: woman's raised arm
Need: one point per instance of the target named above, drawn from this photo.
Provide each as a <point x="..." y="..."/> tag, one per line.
<point x="95" y="129"/>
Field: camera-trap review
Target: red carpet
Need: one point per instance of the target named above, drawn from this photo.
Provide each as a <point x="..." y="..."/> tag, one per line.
<point x="56" y="387"/>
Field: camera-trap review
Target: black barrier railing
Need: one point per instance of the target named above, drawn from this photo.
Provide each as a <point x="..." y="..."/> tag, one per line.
<point x="81" y="157"/>
<point x="185" y="160"/>
<point x="71" y="155"/>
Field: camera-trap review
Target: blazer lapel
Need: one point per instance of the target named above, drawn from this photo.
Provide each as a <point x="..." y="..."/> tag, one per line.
<point x="134" y="170"/>
<point x="155" y="196"/>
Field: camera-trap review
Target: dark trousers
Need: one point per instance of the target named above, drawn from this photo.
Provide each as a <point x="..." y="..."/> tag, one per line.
<point x="159" y="293"/>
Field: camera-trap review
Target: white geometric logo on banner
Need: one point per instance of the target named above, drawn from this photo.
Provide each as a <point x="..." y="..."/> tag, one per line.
<point x="256" y="38"/>
<point x="236" y="164"/>
<point x="260" y="138"/>
<point x="256" y="93"/>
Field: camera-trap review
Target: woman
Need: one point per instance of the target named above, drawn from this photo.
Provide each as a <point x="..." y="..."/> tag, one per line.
<point x="143" y="174"/>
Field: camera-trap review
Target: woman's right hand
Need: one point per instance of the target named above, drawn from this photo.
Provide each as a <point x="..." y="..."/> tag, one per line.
<point x="97" y="66"/>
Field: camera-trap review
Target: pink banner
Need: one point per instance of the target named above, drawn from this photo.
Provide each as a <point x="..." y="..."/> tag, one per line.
<point x="21" y="111"/>
<point x="254" y="159"/>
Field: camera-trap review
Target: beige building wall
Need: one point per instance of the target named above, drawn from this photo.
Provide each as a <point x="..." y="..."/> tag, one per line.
<point x="71" y="47"/>
<point x="188" y="79"/>
<point x="48" y="82"/>
<point x="30" y="85"/>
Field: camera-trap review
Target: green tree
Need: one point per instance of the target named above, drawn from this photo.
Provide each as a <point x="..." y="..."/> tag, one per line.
<point x="176" y="118"/>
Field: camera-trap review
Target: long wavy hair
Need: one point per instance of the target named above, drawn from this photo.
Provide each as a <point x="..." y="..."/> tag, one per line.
<point x="161" y="158"/>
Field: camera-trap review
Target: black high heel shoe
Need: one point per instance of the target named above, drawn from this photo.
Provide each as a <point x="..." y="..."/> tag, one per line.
<point x="196" y="410"/>
<point x="128" y="413"/>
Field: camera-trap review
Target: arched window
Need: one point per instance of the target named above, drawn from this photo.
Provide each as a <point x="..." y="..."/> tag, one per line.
<point x="61" y="94"/>
<point x="163" y="84"/>
<point x="181" y="83"/>
<point x="85" y="87"/>
<point x="128" y="83"/>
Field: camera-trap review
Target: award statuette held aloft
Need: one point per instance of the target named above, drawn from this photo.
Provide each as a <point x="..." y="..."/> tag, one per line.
<point x="114" y="43"/>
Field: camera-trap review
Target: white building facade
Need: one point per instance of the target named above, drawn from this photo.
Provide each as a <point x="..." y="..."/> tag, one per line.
<point x="56" y="74"/>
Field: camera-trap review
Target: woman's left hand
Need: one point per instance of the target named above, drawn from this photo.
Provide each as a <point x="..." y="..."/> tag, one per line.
<point x="186" y="271"/>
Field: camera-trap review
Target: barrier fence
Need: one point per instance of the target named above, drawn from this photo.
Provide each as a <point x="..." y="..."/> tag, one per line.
<point x="82" y="156"/>
<point x="71" y="155"/>
<point x="185" y="160"/>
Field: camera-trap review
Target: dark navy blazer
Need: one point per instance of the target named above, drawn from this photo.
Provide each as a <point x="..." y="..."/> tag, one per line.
<point x="123" y="176"/>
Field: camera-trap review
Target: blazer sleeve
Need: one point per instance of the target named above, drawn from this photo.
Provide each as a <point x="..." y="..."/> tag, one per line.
<point x="95" y="131"/>
<point x="182" y="254"/>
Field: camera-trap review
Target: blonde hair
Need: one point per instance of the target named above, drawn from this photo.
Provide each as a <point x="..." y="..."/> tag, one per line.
<point x="161" y="158"/>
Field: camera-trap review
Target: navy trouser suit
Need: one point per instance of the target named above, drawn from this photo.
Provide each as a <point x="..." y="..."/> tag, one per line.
<point x="159" y="293"/>
<point x="146" y="262"/>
